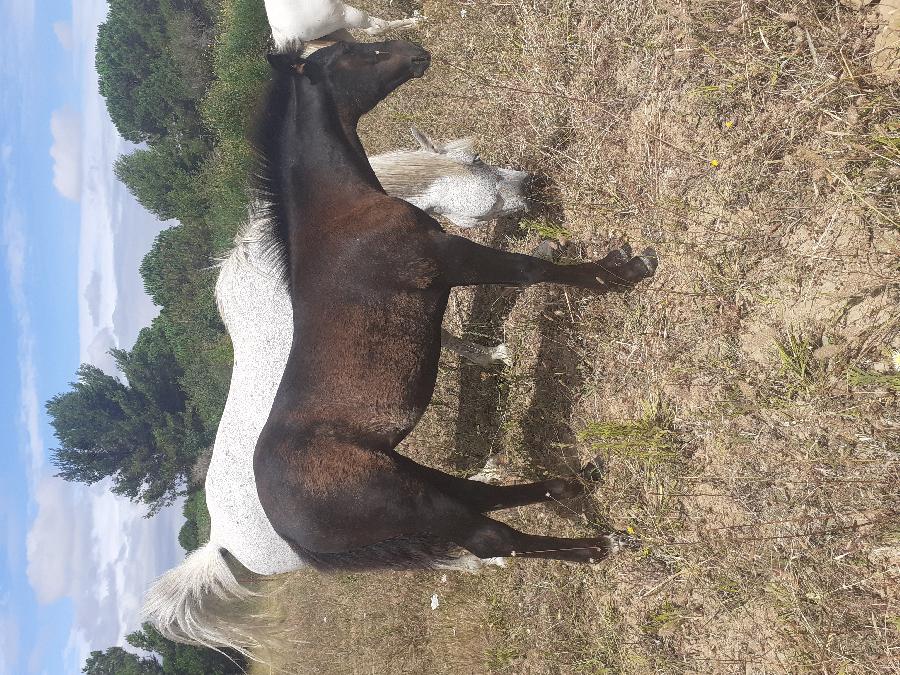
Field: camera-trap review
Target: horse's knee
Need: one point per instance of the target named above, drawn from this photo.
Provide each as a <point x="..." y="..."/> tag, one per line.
<point x="489" y="539"/>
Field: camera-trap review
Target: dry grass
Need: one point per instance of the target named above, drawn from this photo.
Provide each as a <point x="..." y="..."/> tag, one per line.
<point x="746" y="400"/>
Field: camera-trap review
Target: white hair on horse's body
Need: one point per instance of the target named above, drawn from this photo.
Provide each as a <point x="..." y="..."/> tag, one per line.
<point x="305" y="20"/>
<point x="451" y="180"/>
<point x="190" y="602"/>
<point x="253" y="306"/>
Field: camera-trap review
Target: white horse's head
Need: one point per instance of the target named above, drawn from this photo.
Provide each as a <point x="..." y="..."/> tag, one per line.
<point x="450" y="179"/>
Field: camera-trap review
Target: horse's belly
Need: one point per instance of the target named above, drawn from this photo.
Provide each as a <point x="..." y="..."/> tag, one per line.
<point x="371" y="365"/>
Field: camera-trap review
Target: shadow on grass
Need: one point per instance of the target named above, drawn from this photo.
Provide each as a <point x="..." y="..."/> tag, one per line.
<point x="482" y="394"/>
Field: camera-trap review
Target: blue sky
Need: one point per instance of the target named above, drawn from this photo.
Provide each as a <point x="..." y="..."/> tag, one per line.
<point x="75" y="559"/>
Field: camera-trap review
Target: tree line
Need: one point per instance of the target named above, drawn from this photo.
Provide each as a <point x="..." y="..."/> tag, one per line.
<point x="164" y="658"/>
<point x="180" y="77"/>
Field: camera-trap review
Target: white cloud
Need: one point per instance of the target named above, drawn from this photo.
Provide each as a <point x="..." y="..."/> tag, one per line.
<point x="65" y="127"/>
<point x="21" y="12"/>
<point x="97" y="550"/>
<point x="78" y="648"/>
<point x="17" y="35"/>
<point x="63" y="30"/>
<point x="12" y="238"/>
<point x="100" y="552"/>
<point x="11" y="534"/>
<point x="57" y="541"/>
<point x="9" y="643"/>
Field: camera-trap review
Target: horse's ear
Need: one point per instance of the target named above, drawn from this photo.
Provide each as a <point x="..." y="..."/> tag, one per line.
<point x="285" y="62"/>
<point x="424" y="142"/>
<point x="311" y="69"/>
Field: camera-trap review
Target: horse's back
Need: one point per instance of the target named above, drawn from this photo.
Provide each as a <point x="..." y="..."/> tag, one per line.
<point x="255" y="307"/>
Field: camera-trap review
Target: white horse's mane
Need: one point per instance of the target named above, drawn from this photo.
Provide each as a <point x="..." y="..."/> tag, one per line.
<point x="409" y="173"/>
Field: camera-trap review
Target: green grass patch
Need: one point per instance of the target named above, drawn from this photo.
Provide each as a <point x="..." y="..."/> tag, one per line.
<point x="545" y="229"/>
<point x="857" y="377"/>
<point x="650" y="438"/>
<point x="799" y="372"/>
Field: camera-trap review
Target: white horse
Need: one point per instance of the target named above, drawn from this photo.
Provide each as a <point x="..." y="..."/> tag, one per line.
<point x="451" y="180"/>
<point x="307" y="20"/>
<point x="184" y="603"/>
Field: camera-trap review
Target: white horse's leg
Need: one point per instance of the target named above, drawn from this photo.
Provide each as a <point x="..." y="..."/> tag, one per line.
<point x="372" y="25"/>
<point x="486" y="357"/>
<point x="340" y="35"/>
<point x="491" y="472"/>
<point x="379" y="26"/>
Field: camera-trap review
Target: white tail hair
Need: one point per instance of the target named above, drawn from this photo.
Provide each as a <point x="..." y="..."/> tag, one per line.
<point x="189" y="603"/>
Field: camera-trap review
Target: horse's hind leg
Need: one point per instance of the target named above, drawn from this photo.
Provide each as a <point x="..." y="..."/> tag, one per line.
<point x="483" y="497"/>
<point x="340" y="35"/>
<point x="486" y="357"/>
<point x="487" y="538"/>
<point x="465" y="263"/>
<point x="380" y="26"/>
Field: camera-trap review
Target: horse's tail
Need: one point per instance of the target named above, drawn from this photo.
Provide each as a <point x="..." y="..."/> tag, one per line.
<point x="190" y="603"/>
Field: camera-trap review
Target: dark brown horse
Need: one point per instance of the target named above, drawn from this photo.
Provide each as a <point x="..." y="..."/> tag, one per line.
<point x="369" y="278"/>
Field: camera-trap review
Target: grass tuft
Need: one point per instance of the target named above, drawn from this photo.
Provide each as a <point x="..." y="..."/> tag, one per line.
<point x="651" y="437"/>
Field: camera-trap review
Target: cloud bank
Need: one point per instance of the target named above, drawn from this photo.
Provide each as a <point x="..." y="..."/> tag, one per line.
<point x="65" y="128"/>
<point x="9" y="640"/>
<point x="12" y="237"/>
<point x="85" y="544"/>
<point x="97" y="550"/>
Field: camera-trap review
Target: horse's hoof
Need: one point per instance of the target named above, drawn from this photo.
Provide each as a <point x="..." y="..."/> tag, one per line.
<point x="623" y="270"/>
<point x="499" y="355"/>
<point x="622" y="541"/>
<point x="650" y="259"/>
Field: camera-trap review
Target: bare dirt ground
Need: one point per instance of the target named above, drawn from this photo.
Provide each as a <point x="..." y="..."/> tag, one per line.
<point x="746" y="400"/>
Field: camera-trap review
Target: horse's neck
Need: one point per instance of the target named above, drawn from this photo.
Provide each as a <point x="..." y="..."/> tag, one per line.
<point x="329" y="169"/>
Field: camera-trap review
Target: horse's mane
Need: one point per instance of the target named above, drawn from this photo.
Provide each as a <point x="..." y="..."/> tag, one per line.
<point x="254" y="251"/>
<point x="266" y="175"/>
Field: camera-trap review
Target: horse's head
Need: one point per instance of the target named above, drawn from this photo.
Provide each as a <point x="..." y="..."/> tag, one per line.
<point x="358" y="75"/>
<point x="488" y="191"/>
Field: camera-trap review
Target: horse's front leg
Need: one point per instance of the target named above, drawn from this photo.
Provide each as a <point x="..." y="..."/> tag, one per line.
<point x="465" y="263"/>
<point x="372" y="25"/>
